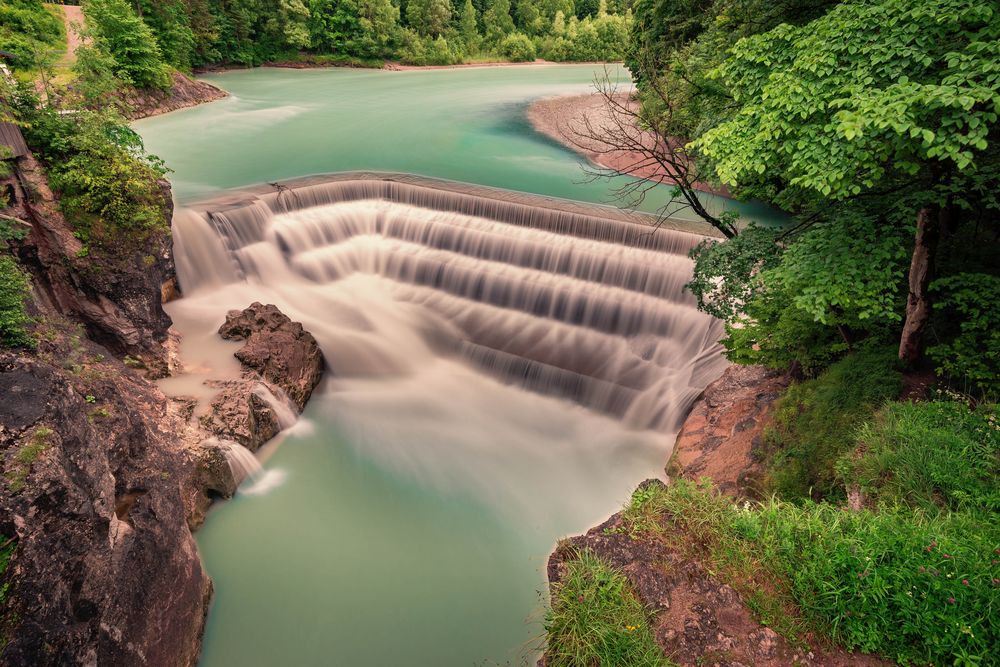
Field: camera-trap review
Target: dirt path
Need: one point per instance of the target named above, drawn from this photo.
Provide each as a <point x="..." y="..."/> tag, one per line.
<point x="72" y="14"/>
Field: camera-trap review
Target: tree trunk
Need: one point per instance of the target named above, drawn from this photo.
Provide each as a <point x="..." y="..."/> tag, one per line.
<point x="918" y="303"/>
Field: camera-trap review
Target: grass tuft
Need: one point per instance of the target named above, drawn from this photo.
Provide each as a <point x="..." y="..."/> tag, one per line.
<point x="596" y="620"/>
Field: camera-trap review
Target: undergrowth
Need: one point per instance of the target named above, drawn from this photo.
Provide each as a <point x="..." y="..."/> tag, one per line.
<point x="912" y="586"/>
<point x="815" y="423"/>
<point x="596" y="620"/>
<point x="933" y="456"/>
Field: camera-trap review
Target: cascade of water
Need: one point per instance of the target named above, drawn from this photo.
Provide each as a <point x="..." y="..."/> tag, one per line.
<point x="243" y="464"/>
<point x="385" y="274"/>
<point x="279" y="403"/>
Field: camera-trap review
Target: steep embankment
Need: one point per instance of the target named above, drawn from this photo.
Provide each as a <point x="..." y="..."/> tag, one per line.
<point x="103" y="477"/>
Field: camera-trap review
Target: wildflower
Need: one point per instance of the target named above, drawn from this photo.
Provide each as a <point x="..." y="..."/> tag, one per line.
<point x="965" y="582"/>
<point x="951" y="600"/>
<point x="996" y="582"/>
<point x="922" y="568"/>
<point x="945" y="556"/>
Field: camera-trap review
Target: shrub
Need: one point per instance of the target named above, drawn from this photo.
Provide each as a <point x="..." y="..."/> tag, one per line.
<point x="816" y="421"/>
<point x="517" y="47"/>
<point x="937" y="455"/>
<point x="417" y="50"/>
<point x="108" y="186"/>
<point x="972" y="355"/>
<point x="31" y="32"/>
<point x="595" y="619"/>
<point x="14" y="288"/>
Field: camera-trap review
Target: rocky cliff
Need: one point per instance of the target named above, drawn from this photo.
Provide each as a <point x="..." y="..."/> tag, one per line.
<point x="102" y="477"/>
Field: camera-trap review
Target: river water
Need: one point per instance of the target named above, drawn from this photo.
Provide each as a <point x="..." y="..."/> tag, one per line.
<point x="499" y="378"/>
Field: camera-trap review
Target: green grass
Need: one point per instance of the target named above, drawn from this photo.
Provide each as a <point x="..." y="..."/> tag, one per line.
<point x="815" y="423"/>
<point x="18" y="473"/>
<point x="5" y="555"/>
<point x="596" y="620"/>
<point x="696" y="520"/>
<point x="914" y="587"/>
<point x="934" y="456"/>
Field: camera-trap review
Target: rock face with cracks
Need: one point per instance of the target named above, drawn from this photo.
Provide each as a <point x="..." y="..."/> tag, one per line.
<point x="105" y="570"/>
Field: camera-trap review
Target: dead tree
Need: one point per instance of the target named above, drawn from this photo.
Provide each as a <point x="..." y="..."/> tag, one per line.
<point x="637" y="144"/>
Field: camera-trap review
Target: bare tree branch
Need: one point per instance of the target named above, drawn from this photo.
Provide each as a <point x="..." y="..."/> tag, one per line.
<point x="637" y="144"/>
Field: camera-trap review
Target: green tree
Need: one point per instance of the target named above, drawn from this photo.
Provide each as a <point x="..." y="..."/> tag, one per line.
<point x="170" y="22"/>
<point x="497" y="22"/>
<point x="379" y="28"/>
<point x="529" y="17"/>
<point x="467" y="26"/>
<point x="334" y="24"/>
<point x="32" y="33"/>
<point x="872" y="95"/>
<point x="429" y="17"/>
<point x="294" y="18"/>
<point x="130" y="41"/>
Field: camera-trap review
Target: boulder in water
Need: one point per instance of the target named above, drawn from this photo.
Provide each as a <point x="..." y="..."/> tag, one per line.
<point x="280" y="350"/>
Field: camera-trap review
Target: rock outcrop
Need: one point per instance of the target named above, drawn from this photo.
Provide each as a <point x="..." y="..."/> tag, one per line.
<point x="282" y="364"/>
<point x="721" y="436"/>
<point x="105" y="570"/>
<point x="280" y="350"/>
<point x="184" y="92"/>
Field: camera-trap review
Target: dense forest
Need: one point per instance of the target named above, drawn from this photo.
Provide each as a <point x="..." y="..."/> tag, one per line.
<point x="205" y="33"/>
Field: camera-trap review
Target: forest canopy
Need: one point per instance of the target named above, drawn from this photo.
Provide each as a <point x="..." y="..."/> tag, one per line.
<point x="873" y="124"/>
<point x="202" y="33"/>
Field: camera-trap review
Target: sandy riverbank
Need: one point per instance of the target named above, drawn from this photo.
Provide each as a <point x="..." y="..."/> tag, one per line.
<point x="571" y="120"/>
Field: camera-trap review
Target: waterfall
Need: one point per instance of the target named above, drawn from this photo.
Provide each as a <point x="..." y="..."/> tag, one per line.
<point x="578" y="304"/>
<point x="282" y="406"/>
<point x="243" y="464"/>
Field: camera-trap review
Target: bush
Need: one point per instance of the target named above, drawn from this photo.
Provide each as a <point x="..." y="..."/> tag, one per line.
<point x="972" y="355"/>
<point x="596" y="619"/>
<point x="773" y="332"/>
<point x="14" y="288"/>
<point x="108" y="186"/>
<point x="816" y="422"/>
<point x="937" y="455"/>
<point x="517" y="47"/>
<point x="417" y="50"/>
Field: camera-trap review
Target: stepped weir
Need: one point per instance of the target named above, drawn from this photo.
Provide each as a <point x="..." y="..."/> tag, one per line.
<point x="575" y="301"/>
